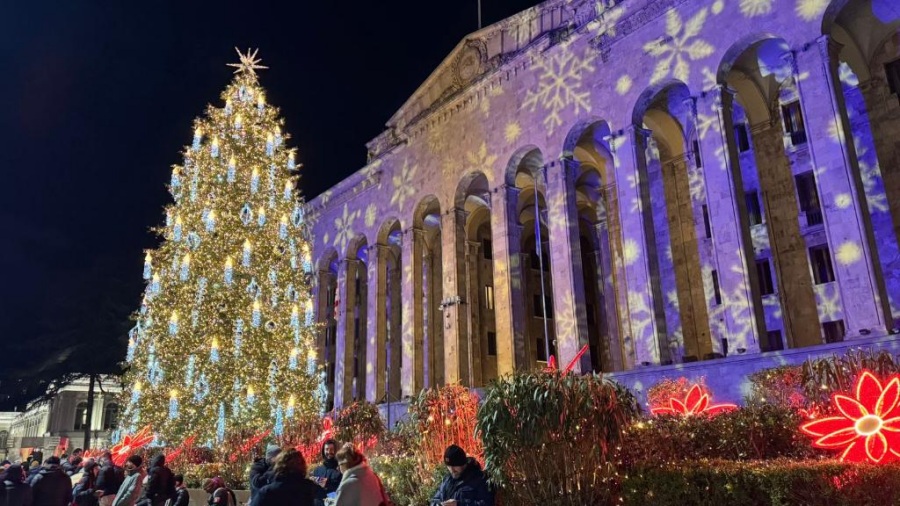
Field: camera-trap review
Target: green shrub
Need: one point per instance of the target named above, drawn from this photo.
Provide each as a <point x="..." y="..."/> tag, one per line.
<point x="549" y="438"/>
<point x="754" y="432"/>
<point x="359" y="423"/>
<point x="825" y="376"/>
<point x="404" y="480"/>
<point x="775" y="483"/>
<point x="781" y="386"/>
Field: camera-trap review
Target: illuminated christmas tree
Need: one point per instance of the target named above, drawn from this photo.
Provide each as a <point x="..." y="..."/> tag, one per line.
<point x="224" y="335"/>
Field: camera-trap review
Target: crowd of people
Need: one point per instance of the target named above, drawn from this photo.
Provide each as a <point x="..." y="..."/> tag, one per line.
<point x="281" y="478"/>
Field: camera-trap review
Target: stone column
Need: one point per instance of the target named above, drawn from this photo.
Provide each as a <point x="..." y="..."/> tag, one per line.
<point x="436" y="322"/>
<point x="740" y="317"/>
<point x="565" y="261"/>
<point x="394" y="341"/>
<point x="473" y="309"/>
<point x="344" y="351"/>
<point x="642" y="328"/>
<point x="453" y="235"/>
<point x="883" y="111"/>
<point x="412" y="311"/>
<point x="509" y="301"/>
<point x="323" y="312"/>
<point x="609" y="327"/>
<point x="376" y="330"/>
<point x="848" y="225"/>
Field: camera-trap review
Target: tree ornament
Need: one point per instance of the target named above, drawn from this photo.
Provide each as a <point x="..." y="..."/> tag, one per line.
<point x="173" y="405"/>
<point x="261" y="216"/>
<point x="173" y="323"/>
<point x="246" y="258"/>
<point x="270" y="326"/>
<point x="229" y="271"/>
<point x="214" y="148"/>
<point x="256" y="314"/>
<point x="270" y="144"/>
<point x="214" y="351"/>
<point x="198" y="134"/>
<point x="185" y="267"/>
<point x="254" y="181"/>
<point x="232" y="171"/>
<point x="283" y="227"/>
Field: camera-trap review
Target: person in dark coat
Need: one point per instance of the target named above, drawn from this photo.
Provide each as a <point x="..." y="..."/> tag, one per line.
<point x="85" y="492"/>
<point x="290" y="486"/>
<point x="261" y="473"/>
<point x="219" y="494"/>
<point x="328" y="475"/>
<point x="33" y="470"/>
<point x="160" y="483"/>
<point x="182" y="495"/>
<point x="16" y="491"/>
<point x="110" y="479"/>
<point x="51" y="486"/>
<point x="466" y="484"/>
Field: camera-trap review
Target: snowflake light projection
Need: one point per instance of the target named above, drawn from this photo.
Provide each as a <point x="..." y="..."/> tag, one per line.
<point x="828" y="302"/>
<point x="512" y="131"/>
<point x="867" y="426"/>
<point x="343" y="226"/>
<point x="678" y="46"/>
<point x="561" y="78"/>
<point x="371" y="215"/>
<point x="130" y="444"/>
<point x="753" y="8"/>
<point x="695" y="402"/>
<point x="481" y="160"/>
<point x="403" y="187"/>
<point x="810" y="10"/>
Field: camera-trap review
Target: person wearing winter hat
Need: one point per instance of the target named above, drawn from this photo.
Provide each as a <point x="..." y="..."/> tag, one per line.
<point x="262" y="472"/>
<point x="18" y="493"/>
<point x="466" y="484"/>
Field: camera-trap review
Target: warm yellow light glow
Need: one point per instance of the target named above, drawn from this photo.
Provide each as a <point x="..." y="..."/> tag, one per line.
<point x="174" y="317"/>
<point x="186" y="261"/>
<point x="269" y="138"/>
<point x="250" y="392"/>
<point x="292" y="401"/>
<point x="148" y="258"/>
<point x="229" y="263"/>
<point x="247" y="245"/>
<point x="215" y="344"/>
<point x="261" y="99"/>
<point x="238" y="122"/>
<point x="215" y="143"/>
<point x="137" y="386"/>
<point x="295" y="352"/>
<point x="198" y="132"/>
<point x="173" y="393"/>
<point x="256" y="305"/>
<point x="262" y="213"/>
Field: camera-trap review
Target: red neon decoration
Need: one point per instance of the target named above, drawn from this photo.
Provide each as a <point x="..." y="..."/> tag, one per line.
<point x="868" y="428"/>
<point x="696" y="402"/>
<point x="187" y="444"/>
<point x="551" y="364"/>
<point x="129" y="444"/>
<point x="249" y="444"/>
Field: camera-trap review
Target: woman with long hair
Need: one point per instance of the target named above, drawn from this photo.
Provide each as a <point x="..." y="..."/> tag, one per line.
<point x="359" y="486"/>
<point x="290" y="485"/>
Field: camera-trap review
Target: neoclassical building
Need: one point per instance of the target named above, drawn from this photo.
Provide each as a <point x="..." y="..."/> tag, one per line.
<point x="710" y="186"/>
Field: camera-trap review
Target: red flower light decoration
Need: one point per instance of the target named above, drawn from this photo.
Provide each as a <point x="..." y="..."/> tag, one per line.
<point x="551" y="364"/>
<point x="696" y="402"/>
<point x="868" y="428"/>
<point x="174" y="454"/>
<point x="129" y="444"/>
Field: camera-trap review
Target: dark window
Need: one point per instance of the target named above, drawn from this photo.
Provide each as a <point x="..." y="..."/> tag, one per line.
<point x="111" y="417"/>
<point x="539" y="304"/>
<point x="754" y="213"/>
<point x="741" y="137"/>
<point x="764" y="273"/>
<point x="706" y="225"/>
<point x="358" y="285"/>
<point x="698" y="162"/>
<point x="536" y="261"/>
<point x="809" y="197"/>
<point x="716" y="293"/>
<point x="773" y="341"/>
<point x="489" y="297"/>
<point x="492" y="343"/>
<point x="793" y="122"/>
<point x="540" y="346"/>
<point x="834" y="331"/>
<point x="81" y="416"/>
<point x="892" y="69"/>
<point x="487" y="247"/>
<point x="820" y="261"/>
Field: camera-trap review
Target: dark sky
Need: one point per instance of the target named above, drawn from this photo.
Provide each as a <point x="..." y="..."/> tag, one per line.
<point x="97" y="102"/>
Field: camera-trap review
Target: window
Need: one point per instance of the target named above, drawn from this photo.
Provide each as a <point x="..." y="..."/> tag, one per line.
<point x="764" y="273"/>
<point x="4" y="439"/>
<point x="81" y="416"/>
<point x="536" y="261"/>
<point x="698" y="162"/>
<point x="717" y="295"/>
<point x="892" y="69"/>
<point x="111" y="416"/>
<point x="834" y="331"/>
<point x="741" y="137"/>
<point x="541" y="348"/>
<point x="793" y="122"/>
<point x="492" y="343"/>
<point x="487" y="247"/>
<point x="773" y="341"/>
<point x="808" y="196"/>
<point x="753" y="210"/>
<point x="489" y="297"/>
<point x="706" y="225"/>
<point x="820" y="261"/>
<point x="539" y="304"/>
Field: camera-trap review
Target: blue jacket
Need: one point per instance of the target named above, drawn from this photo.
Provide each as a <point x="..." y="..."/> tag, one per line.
<point x="470" y="489"/>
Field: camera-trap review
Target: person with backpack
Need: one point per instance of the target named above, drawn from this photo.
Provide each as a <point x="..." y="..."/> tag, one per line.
<point x="51" y="486"/>
<point x="219" y="494"/>
<point x="160" y="483"/>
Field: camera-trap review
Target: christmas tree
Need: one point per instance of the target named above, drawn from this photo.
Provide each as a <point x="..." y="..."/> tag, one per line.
<point x="223" y="342"/>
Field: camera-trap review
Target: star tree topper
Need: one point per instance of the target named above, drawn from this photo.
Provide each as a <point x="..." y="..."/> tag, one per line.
<point x="249" y="63"/>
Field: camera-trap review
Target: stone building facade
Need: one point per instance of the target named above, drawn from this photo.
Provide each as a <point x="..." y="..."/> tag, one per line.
<point x="45" y="423"/>
<point x="681" y="185"/>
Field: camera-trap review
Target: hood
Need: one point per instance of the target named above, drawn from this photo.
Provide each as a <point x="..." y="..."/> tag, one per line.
<point x="158" y="461"/>
<point x="51" y="469"/>
<point x="473" y="470"/>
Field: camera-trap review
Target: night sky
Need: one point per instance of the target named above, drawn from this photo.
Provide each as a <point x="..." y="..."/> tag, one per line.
<point x="98" y="101"/>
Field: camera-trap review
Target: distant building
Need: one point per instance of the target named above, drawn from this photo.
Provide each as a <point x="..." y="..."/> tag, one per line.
<point x="57" y="425"/>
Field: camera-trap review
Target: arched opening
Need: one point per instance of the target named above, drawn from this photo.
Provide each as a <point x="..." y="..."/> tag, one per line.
<point x="537" y="278"/>
<point x="600" y="238"/>
<point x="868" y="37"/>
<point x="110" y="416"/>
<point x="775" y="175"/>
<point x="478" y="354"/>
<point x="428" y="221"/>
<point x="326" y="282"/>
<point x="390" y="269"/>
<point x="357" y="317"/>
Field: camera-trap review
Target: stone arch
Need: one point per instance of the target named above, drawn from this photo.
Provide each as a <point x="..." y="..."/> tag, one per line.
<point x="598" y="127"/>
<point x="761" y="59"/>
<point x="427" y="231"/>
<point x="474" y="184"/>
<point x="326" y="295"/>
<point x="527" y="158"/>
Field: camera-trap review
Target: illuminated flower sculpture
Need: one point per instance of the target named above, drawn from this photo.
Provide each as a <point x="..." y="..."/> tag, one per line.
<point x="696" y="402"/>
<point x="130" y="444"/>
<point x="868" y="426"/>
